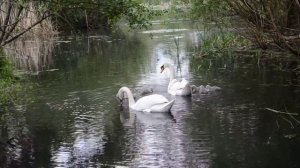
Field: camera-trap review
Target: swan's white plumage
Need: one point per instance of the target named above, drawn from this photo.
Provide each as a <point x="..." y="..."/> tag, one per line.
<point x="181" y="88"/>
<point x="177" y="87"/>
<point x="151" y="103"/>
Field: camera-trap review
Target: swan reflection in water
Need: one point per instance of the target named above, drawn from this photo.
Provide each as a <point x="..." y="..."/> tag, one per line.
<point x="160" y="139"/>
<point x="153" y="139"/>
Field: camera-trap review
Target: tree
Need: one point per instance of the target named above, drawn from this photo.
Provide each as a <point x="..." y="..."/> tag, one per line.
<point x="269" y="23"/>
<point x="276" y="21"/>
<point x="14" y="20"/>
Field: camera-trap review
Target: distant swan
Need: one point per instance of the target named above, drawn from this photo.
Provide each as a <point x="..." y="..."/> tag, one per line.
<point x="176" y="87"/>
<point x="151" y="103"/>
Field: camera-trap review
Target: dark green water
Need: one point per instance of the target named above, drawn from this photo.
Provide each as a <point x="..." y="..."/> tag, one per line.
<point x="72" y="118"/>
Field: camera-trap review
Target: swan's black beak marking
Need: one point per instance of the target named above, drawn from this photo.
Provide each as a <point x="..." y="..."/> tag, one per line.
<point x="162" y="68"/>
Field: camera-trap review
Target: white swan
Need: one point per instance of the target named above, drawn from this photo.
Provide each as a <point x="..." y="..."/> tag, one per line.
<point x="151" y="103"/>
<point x="176" y="87"/>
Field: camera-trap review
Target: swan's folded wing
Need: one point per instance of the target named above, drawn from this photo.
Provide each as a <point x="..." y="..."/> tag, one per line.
<point x="164" y="107"/>
<point x="176" y="85"/>
<point x="179" y="88"/>
<point x="184" y="82"/>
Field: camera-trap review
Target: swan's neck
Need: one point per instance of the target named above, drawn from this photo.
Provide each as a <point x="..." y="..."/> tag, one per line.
<point x="129" y="95"/>
<point x="194" y="89"/>
<point x="172" y="72"/>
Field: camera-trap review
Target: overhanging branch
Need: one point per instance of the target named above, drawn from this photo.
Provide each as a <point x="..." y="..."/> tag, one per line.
<point x="45" y="16"/>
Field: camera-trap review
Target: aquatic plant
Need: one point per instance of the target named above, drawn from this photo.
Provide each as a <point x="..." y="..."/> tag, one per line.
<point x="216" y="41"/>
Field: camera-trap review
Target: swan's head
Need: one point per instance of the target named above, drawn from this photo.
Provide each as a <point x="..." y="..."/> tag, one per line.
<point x="123" y="93"/>
<point x="164" y="66"/>
<point x="120" y="95"/>
<point x="194" y="89"/>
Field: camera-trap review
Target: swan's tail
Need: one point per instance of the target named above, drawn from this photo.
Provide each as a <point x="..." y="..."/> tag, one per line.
<point x="167" y="107"/>
<point x="163" y="108"/>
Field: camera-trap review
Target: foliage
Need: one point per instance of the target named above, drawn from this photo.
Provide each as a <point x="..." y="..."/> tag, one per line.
<point x="214" y="42"/>
<point x="18" y="17"/>
<point x="8" y="82"/>
<point x="268" y="23"/>
<point x="99" y="13"/>
<point x="210" y="10"/>
<point x="272" y="22"/>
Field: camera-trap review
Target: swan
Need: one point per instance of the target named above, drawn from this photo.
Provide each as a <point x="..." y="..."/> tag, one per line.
<point x="204" y="89"/>
<point x="212" y="88"/>
<point x="201" y="89"/>
<point x="176" y="87"/>
<point x="151" y="103"/>
<point x="147" y="92"/>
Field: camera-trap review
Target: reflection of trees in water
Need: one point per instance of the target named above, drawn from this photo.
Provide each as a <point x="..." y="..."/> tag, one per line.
<point x="15" y="141"/>
<point x="33" y="55"/>
<point x="242" y="127"/>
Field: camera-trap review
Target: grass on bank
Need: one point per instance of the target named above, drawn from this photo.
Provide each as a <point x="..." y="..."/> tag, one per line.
<point x="9" y="85"/>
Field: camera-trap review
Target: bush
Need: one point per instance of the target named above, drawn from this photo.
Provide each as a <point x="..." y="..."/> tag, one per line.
<point x="8" y="82"/>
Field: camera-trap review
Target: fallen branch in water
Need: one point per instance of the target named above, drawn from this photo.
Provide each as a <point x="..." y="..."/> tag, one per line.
<point x="291" y="115"/>
<point x="287" y="120"/>
<point x="297" y="121"/>
<point x="281" y="112"/>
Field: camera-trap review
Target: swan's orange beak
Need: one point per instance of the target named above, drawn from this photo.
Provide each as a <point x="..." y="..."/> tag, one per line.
<point x="162" y="68"/>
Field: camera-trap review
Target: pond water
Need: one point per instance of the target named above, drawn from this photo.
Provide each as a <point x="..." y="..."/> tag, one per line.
<point x="72" y="117"/>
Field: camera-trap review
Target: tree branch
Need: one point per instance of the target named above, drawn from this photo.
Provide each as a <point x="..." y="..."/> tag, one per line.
<point x="281" y="112"/>
<point x="45" y="16"/>
<point x="6" y="20"/>
<point x="12" y="28"/>
<point x="298" y="3"/>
